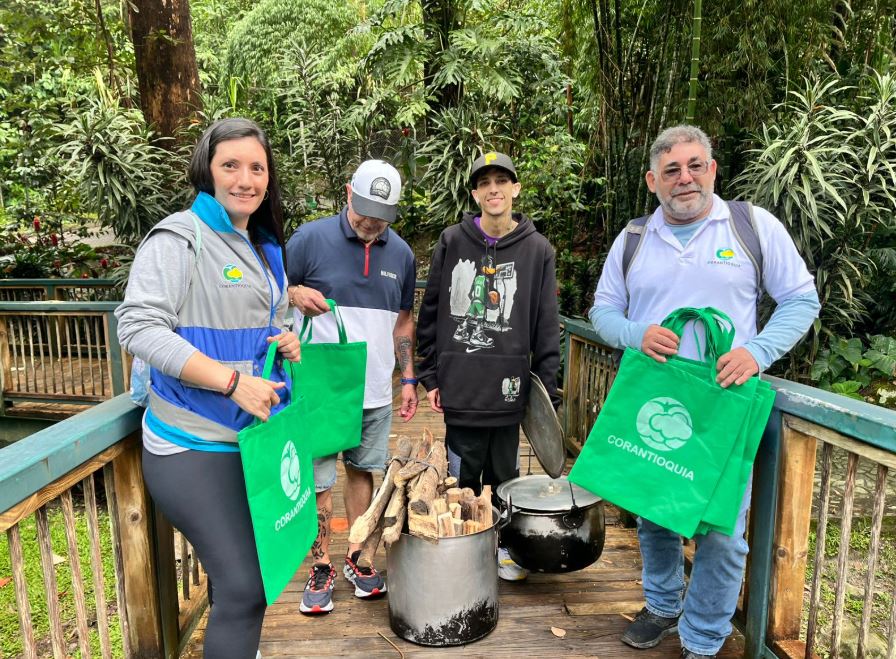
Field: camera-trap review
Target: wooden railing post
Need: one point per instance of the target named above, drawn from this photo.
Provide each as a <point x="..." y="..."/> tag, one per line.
<point x="791" y="545"/>
<point x="135" y="532"/>
<point x="762" y="523"/>
<point x="5" y="365"/>
<point x="117" y="366"/>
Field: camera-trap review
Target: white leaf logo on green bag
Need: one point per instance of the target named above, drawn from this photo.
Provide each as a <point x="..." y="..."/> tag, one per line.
<point x="290" y="476"/>
<point x="664" y="424"/>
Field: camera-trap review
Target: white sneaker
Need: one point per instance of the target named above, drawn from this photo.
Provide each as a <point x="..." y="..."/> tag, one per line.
<point x="258" y="654"/>
<point x="508" y="570"/>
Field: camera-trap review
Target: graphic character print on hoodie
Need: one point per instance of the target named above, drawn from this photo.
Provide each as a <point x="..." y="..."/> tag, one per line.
<point x="487" y="304"/>
<point x="489" y="315"/>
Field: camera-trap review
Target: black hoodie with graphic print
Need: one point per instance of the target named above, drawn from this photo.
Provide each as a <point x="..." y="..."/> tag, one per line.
<point x="489" y="315"/>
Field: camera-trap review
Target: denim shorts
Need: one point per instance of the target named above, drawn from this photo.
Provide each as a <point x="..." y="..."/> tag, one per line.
<point x="371" y="455"/>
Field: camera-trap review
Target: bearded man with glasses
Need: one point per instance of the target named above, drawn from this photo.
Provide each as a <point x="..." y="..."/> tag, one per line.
<point x="697" y="250"/>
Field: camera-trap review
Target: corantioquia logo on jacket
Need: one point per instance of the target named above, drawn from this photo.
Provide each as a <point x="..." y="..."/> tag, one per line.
<point x="663" y="424"/>
<point x="232" y="274"/>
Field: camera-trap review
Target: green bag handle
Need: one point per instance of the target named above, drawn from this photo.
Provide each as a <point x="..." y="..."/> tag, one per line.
<point x="269" y="361"/>
<point x="718" y="329"/>
<point x="306" y="333"/>
<point x="268" y="369"/>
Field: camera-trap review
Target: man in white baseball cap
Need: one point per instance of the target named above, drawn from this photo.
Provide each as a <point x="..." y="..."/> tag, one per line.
<point x="356" y="259"/>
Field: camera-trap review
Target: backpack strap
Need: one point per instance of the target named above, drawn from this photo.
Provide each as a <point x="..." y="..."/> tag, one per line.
<point x="633" y="232"/>
<point x="744" y="227"/>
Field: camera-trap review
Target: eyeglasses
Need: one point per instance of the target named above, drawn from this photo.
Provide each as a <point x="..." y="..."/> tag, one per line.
<point x="694" y="169"/>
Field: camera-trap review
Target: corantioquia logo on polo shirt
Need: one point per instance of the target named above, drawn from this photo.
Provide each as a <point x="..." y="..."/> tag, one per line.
<point x="724" y="256"/>
<point x="663" y="424"/>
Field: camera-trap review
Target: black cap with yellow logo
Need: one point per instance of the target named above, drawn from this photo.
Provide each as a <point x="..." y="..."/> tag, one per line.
<point x="489" y="160"/>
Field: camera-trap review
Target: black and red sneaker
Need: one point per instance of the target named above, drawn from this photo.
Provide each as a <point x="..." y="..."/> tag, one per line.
<point x="318" y="595"/>
<point x="368" y="582"/>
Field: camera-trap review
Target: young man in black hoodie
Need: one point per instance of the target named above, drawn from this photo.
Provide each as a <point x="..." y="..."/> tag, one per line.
<point x="488" y="317"/>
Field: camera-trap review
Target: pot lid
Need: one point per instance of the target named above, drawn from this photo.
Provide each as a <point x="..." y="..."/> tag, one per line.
<point x="541" y="493"/>
<point x="542" y="428"/>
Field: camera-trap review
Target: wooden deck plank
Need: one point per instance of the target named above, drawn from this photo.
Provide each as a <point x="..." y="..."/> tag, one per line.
<point x="587" y="604"/>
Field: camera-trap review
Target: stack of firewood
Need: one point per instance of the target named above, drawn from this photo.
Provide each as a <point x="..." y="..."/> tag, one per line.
<point x="418" y="495"/>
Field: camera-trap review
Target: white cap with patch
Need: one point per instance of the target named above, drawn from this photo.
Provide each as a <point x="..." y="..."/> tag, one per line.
<point x="376" y="187"/>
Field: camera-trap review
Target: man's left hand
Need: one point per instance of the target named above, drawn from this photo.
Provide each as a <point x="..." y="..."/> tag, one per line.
<point x="736" y="367"/>
<point x="408" y="402"/>
<point x="288" y="345"/>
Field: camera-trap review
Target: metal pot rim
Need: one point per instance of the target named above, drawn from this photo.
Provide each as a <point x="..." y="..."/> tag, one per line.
<point x="583" y="498"/>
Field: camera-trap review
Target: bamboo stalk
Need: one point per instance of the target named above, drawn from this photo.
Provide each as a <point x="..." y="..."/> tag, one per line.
<point x="695" y="60"/>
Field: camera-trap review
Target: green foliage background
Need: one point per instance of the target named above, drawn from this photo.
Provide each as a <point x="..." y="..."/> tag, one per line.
<point x="798" y="98"/>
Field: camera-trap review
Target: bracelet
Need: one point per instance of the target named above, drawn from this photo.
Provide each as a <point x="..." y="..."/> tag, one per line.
<point x="232" y="385"/>
<point x="413" y="381"/>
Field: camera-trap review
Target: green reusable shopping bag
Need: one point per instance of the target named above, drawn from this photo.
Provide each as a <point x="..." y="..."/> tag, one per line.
<point x="724" y="505"/>
<point x="721" y="513"/>
<point x="663" y="437"/>
<point x="280" y="488"/>
<point x="330" y="380"/>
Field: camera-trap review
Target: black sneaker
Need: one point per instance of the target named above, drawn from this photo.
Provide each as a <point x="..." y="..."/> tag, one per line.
<point x="368" y="582"/>
<point x="648" y="629"/>
<point x="687" y="654"/>
<point x="318" y="595"/>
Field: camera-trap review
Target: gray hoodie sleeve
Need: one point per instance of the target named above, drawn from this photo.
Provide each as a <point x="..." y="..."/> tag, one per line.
<point x="157" y="287"/>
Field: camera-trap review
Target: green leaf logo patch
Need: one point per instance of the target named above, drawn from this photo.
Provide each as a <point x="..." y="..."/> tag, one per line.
<point x="664" y="424"/>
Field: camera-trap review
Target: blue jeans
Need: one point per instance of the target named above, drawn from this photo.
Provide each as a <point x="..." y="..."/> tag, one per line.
<point x="716" y="575"/>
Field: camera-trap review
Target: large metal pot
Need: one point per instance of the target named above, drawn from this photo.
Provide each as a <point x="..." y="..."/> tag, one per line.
<point x="444" y="593"/>
<point x="554" y="526"/>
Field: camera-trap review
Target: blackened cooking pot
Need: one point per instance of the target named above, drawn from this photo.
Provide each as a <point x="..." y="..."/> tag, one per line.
<point x="554" y="525"/>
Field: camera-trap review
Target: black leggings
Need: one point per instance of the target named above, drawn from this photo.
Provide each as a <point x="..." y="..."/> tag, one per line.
<point x="203" y="494"/>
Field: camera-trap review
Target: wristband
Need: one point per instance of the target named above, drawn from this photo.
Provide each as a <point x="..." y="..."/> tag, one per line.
<point x="232" y="385"/>
<point x="413" y="381"/>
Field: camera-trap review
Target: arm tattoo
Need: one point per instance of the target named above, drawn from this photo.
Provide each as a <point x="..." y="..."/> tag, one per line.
<point x="403" y="352"/>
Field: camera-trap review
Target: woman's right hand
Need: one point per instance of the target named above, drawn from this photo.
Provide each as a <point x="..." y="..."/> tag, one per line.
<point x="256" y="395"/>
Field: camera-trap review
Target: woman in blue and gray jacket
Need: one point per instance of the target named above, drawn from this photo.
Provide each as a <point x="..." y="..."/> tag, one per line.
<point x="205" y="298"/>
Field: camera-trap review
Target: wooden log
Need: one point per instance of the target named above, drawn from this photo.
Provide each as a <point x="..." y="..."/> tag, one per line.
<point x="446" y="525"/>
<point x="423" y="526"/>
<point x="458" y="526"/>
<point x="470" y="526"/>
<point x="455" y="510"/>
<point x="468" y="508"/>
<point x="484" y="507"/>
<point x="454" y="495"/>
<point x="439" y="505"/>
<point x="421" y="496"/>
<point x="366" y="524"/>
<point x="420" y="456"/>
<point x="371" y="545"/>
<point x="468" y="493"/>
<point x="393" y="519"/>
<point x="449" y="482"/>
